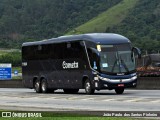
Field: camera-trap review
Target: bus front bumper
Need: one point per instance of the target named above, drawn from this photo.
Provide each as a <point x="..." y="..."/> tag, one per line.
<point x="105" y="83"/>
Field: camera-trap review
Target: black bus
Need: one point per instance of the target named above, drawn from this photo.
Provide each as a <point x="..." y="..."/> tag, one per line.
<point x="92" y="62"/>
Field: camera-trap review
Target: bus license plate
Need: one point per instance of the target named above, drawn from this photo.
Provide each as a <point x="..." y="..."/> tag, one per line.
<point x="120" y="85"/>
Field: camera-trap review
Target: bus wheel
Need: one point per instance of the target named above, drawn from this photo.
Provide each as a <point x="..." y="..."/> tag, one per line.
<point x="37" y="86"/>
<point x="119" y="90"/>
<point x="88" y="87"/>
<point x="44" y="86"/>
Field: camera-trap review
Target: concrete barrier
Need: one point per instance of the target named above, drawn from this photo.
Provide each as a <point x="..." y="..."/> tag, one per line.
<point x="143" y="83"/>
<point x="11" y="84"/>
<point x="148" y="83"/>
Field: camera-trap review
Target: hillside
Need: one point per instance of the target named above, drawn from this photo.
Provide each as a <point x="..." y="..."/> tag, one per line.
<point x="30" y="20"/>
<point x="142" y="26"/>
<point x="139" y="20"/>
<point x="110" y="17"/>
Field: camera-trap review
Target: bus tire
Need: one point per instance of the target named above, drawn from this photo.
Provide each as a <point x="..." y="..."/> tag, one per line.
<point x="44" y="86"/>
<point x="88" y="87"/>
<point x="37" y="86"/>
<point x="119" y="90"/>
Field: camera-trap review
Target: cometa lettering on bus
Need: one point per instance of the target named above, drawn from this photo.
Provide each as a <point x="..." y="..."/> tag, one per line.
<point x="69" y="65"/>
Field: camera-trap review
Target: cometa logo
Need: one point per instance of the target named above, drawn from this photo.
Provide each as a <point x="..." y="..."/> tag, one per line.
<point x="69" y="65"/>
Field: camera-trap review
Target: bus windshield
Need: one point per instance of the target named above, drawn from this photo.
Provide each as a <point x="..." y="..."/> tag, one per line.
<point x="116" y="59"/>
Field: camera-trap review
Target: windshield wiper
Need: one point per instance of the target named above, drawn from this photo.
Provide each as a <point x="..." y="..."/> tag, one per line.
<point x="114" y="65"/>
<point x="125" y="66"/>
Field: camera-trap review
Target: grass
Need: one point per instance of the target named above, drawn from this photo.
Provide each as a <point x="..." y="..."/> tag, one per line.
<point x="19" y="69"/>
<point x="3" y="52"/>
<point x="109" y="18"/>
<point x="17" y="77"/>
<point x="65" y="116"/>
<point x="70" y="118"/>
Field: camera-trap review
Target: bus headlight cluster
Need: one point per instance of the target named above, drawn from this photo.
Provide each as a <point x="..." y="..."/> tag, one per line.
<point x="133" y="78"/>
<point x="102" y="78"/>
<point x="96" y="78"/>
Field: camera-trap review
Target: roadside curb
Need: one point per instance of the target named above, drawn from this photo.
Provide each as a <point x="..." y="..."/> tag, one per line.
<point x="151" y="83"/>
<point x="11" y="83"/>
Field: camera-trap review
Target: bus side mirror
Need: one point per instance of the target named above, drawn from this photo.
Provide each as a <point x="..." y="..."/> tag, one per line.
<point x="137" y="51"/>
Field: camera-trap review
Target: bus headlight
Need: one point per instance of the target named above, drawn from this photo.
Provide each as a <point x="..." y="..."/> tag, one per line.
<point x="133" y="78"/>
<point x="96" y="78"/>
<point x="102" y="78"/>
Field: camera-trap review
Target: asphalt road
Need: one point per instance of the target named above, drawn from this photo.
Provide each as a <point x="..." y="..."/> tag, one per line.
<point x="131" y="100"/>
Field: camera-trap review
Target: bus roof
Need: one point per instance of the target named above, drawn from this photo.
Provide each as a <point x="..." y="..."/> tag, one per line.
<point x="99" y="38"/>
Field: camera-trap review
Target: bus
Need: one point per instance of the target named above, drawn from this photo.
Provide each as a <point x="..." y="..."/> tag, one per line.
<point x="94" y="61"/>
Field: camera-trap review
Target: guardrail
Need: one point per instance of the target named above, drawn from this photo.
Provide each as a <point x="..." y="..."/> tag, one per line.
<point x="148" y="83"/>
<point x="11" y="84"/>
<point x="143" y="83"/>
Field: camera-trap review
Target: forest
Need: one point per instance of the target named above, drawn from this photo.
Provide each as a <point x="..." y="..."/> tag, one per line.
<point x="142" y="26"/>
<point x="32" y="20"/>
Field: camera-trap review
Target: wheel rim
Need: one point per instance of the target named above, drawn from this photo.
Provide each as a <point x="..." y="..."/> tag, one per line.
<point x="37" y="86"/>
<point x="43" y="87"/>
<point x="88" y="86"/>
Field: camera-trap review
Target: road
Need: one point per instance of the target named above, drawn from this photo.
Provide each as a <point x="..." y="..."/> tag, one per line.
<point x="131" y="100"/>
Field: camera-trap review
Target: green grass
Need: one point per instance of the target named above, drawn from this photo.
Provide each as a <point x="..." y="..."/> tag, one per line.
<point x="109" y="18"/>
<point x="74" y="118"/>
<point x="71" y="118"/>
<point x="3" y="52"/>
<point x="17" y="77"/>
<point x="19" y="69"/>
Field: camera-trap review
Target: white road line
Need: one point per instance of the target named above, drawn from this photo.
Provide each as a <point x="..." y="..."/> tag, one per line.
<point x="88" y="99"/>
<point x="109" y="100"/>
<point x="155" y="101"/>
<point x="51" y="98"/>
<point x="72" y="98"/>
<point x="134" y="100"/>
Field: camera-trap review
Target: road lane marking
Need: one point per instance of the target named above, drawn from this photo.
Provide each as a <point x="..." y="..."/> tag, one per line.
<point x="155" y="101"/>
<point x="134" y="100"/>
<point x="109" y="100"/>
<point x="88" y="99"/>
<point x="72" y="98"/>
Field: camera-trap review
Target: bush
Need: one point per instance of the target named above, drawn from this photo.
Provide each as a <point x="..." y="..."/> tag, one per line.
<point x="11" y="57"/>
